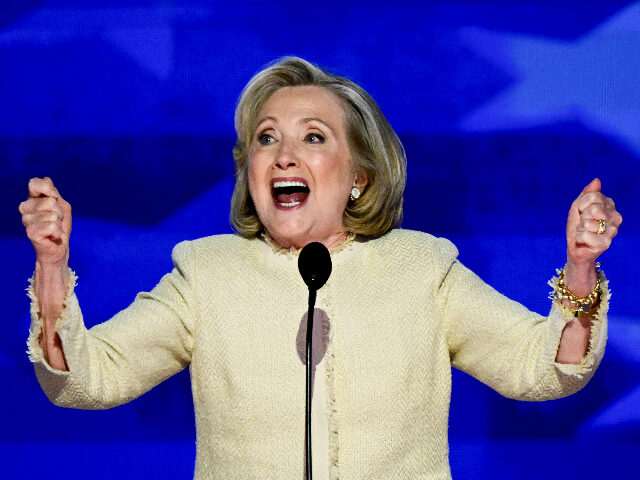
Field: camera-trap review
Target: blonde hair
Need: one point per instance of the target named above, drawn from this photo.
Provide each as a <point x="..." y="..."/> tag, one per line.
<point x="374" y="146"/>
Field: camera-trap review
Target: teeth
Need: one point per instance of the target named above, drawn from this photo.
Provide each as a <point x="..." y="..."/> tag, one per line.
<point x="290" y="204"/>
<point x="288" y="183"/>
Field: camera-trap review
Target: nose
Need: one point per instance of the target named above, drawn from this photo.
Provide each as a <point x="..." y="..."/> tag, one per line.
<point x="286" y="157"/>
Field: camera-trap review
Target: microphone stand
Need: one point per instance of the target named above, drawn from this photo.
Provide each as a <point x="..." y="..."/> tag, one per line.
<point x="309" y="359"/>
<point x="314" y="264"/>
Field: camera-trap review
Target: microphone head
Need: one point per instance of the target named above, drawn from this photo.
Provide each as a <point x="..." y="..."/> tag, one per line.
<point x="314" y="264"/>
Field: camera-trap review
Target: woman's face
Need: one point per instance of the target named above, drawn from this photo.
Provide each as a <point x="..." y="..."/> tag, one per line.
<point x="300" y="174"/>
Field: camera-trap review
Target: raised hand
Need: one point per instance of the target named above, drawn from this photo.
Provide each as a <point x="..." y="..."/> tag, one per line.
<point x="47" y="219"/>
<point x="592" y="224"/>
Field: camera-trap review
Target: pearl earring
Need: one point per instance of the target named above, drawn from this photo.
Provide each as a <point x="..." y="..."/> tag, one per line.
<point x="355" y="193"/>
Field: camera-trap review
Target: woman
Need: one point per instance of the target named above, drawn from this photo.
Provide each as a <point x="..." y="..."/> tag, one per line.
<point x="317" y="161"/>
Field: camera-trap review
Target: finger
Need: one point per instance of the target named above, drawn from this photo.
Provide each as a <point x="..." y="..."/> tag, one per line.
<point x="587" y="199"/>
<point x="52" y="230"/>
<point x="613" y="219"/>
<point x="28" y="219"/>
<point x="41" y="217"/>
<point x="588" y="225"/>
<point x="602" y="212"/>
<point x="42" y="187"/>
<point x="38" y="225"/>
<point x="44" y="204"/>
<point x="584" y="201"/>
<point x="609" y="201"/>
<point x="48" y="216"/>
<point x="592" y="226"/>
<point x="595" y="211"/>
<point x="66" y="216"/>
<point x="611" y="231"/>
<point x="29" y="205"/>
<point x="594" y="185"/>
<point x="617" y="218"/>
<point x="597" y="243"/>
<point x="41" y="204"/>
<point x="605" y="213"/>
<point x="65" y="207"/>
<point x="39" y="232"/>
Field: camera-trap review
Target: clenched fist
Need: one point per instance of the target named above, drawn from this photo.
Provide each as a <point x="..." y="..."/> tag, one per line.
<point x="47" y="219"/>
<point x="592" y="224"/>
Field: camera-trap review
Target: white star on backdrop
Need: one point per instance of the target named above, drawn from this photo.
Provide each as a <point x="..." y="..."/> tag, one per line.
<point x="594" y="80"/>
<point x="146" y="35"/>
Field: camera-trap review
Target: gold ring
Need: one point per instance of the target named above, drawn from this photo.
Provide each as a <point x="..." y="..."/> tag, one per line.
<point x="602" y="226"/>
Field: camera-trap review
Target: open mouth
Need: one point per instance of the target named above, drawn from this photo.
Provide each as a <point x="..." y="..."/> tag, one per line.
<point x="289" y="193"/>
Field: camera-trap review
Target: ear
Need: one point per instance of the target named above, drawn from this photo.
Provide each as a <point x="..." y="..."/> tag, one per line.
<point x="361" y="180"/>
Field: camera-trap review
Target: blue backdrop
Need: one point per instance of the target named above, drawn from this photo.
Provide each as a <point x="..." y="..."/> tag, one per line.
<point x="506" y="109"/>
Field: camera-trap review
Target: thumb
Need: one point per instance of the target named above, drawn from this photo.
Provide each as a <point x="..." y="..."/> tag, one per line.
<point x="594" y="186"/>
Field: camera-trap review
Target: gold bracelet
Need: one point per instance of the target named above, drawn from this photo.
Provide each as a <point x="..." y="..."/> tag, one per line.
<point x="584" y="304"/>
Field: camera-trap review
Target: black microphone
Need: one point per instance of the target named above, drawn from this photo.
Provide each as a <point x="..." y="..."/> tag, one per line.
<point x="314" y="264"/>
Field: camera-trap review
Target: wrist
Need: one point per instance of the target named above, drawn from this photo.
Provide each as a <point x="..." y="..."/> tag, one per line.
<point x="50" y="287"/>
<point x="580" y="278"/>
<point x="580" y="302"/>
<point x="51" y="275"/>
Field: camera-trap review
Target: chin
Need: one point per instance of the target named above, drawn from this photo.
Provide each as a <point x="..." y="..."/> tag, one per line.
<point x="288" y="236"/>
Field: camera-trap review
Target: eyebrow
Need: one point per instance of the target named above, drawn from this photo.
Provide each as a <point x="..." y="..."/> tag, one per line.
<point x="316" y="119"/>
<point x="274" y="119"/>
<point x="304" y="120"/>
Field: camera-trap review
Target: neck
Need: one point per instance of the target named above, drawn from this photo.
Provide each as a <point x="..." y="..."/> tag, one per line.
<point x="333" y="243"/>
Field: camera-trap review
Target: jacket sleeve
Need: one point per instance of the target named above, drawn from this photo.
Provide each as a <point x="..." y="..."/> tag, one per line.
<point x="124" y="357"/>
<point x="509" y="348"/>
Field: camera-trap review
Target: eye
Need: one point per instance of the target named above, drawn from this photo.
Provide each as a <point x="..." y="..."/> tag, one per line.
<point x="265" y="139"/>
<point x="314" y="138"/>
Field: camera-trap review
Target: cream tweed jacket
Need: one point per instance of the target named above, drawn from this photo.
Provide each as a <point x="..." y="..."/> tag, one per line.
<point x="400" y="309"/>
